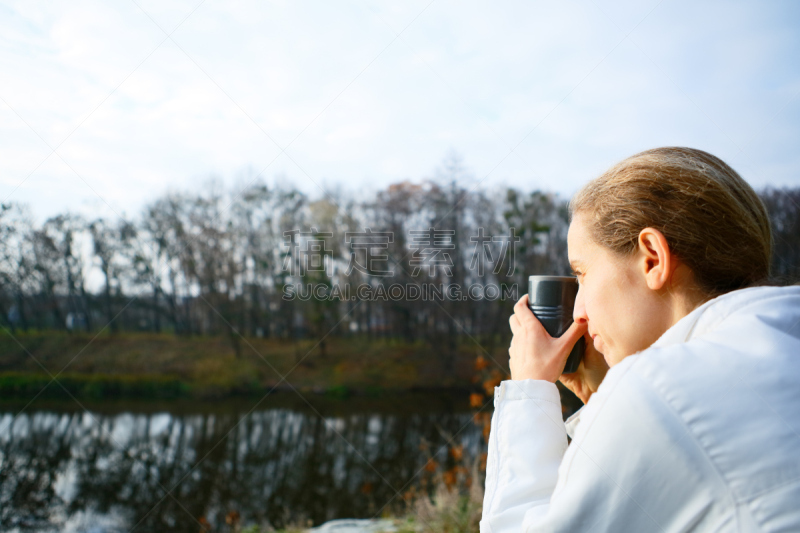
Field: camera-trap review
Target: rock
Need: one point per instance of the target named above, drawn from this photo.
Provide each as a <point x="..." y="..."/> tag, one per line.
<point x="348" y="525"/>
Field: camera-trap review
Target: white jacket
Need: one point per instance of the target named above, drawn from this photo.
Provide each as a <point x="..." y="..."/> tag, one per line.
<point x="699" y="432"/>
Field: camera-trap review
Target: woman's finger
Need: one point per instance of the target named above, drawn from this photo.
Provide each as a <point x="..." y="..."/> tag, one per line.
<point x="575" y="332"/>
<point x="514" y="323"/>
<point x="524" y="315"/>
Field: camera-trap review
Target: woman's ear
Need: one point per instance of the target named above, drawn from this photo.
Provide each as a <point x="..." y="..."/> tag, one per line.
<point x="656" y="260"/>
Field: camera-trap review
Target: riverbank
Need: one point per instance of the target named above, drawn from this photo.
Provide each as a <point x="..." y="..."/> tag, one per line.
<point x="144" y="365"/>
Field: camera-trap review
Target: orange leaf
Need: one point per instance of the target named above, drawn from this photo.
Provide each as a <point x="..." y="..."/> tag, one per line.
<point x="481" y="363"/>
<point x="457" y="452"/>
<point x="476" y="399"/>
<point x="449" y="478"/>
<point x="490" y="384"/>
<point x="430" y="466"/>
<point x="232" y="518"/>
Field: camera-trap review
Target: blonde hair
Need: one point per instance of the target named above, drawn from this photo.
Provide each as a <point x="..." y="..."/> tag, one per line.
<point x="714" y="222"/>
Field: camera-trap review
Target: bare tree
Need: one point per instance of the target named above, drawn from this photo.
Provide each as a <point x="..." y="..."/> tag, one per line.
<point x="17" y="267"/>
<point x="110" y="242"/>
<point x="783" y="206"/>
<point x="62" y="260"/>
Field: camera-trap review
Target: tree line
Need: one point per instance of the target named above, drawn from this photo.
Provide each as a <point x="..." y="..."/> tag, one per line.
<point x="222" y="262"/>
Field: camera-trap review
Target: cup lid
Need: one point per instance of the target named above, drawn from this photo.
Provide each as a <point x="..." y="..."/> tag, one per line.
<point x="552" y="291"/>
<point x="552" y="278"/>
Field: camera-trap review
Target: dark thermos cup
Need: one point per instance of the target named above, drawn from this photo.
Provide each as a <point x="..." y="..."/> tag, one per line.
<point x="552" y="298"/>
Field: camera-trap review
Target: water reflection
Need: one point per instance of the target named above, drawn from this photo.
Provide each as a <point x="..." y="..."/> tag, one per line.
<point x="62" y="470"/>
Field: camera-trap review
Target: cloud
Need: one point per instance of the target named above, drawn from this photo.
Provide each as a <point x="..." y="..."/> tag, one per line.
<point x="532" y="94"/>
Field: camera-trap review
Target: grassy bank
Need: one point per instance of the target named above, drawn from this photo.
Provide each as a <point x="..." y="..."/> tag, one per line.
<point x="143" y="365"/>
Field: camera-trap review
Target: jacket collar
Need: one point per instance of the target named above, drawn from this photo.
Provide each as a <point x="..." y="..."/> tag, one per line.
<point x="706" y="317"/>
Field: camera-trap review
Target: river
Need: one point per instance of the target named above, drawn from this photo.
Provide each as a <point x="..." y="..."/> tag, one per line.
<point x="147" y="466"/>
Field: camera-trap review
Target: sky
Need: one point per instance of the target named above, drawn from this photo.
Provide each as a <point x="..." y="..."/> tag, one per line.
<point x="104" y="106"/>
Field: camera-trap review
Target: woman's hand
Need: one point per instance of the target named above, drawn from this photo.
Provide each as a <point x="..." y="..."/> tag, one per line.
<point x="585" y="381"/>
<point x="534" y="353"/>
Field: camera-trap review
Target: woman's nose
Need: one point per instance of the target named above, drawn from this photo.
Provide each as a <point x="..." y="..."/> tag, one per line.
<point x="579" y="311"/>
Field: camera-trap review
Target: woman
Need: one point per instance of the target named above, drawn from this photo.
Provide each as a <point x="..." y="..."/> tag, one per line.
<point x="691" y="377"/>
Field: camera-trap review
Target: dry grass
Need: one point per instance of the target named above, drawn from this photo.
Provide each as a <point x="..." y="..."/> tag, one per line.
<point x="445" y="512"/>
<point x="209" y="367"/>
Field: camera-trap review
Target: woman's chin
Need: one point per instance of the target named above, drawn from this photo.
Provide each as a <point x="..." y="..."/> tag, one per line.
<point x="598" y="343"/>
<point x="614" y="357"/>
<point x="607" y="353"/>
